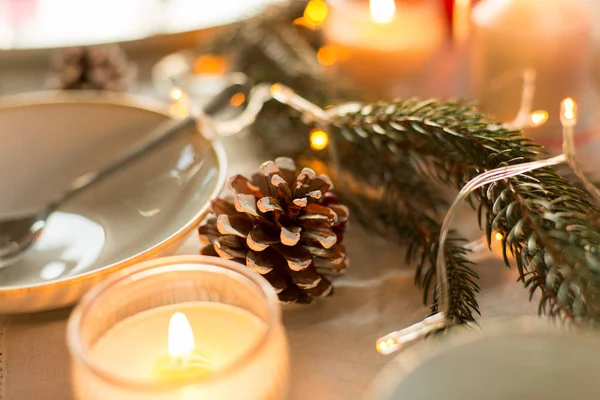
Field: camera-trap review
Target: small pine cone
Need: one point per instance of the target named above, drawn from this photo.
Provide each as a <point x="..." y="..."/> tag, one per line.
<point x="93" y="68"/>
<point x="288" y="227"/>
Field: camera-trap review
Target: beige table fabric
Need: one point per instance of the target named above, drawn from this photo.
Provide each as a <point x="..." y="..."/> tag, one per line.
<point x="332" y="342"/>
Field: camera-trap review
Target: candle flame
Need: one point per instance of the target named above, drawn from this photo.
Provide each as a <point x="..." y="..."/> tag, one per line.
<point x="382" y="11"/>
<point x="181" y="337"/>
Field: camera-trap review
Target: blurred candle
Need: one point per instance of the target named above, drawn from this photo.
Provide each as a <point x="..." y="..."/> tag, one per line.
<point x="552" y="38"/>
<point x="380" y="43"/>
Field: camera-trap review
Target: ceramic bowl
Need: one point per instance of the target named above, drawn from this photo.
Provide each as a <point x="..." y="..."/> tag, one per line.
<point x="522" y="358"/>
<point x="144" y="210"/>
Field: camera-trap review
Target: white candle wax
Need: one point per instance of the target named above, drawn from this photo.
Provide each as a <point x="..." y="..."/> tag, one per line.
<point x="550" y="37"/>
<point x="378" y="52"/>
<point x="223" y="334"/>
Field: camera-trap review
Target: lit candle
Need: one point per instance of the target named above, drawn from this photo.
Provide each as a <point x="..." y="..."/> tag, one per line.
<point x="380" y="43"/>
<point x="550" y="38"/>
<point x="182" y="333"/>
<point x="178" y="342"/>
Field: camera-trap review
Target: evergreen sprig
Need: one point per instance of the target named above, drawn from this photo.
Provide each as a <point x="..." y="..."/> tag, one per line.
<point x="543" y="218"/>
<point x="392" y="155"/>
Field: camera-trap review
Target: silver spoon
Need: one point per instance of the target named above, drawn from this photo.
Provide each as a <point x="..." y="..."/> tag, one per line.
<point x="18" y="234"/>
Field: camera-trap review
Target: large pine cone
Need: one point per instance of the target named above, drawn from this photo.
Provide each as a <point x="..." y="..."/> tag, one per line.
<point x="93" y="68"/>
<point x="286" y="226"/>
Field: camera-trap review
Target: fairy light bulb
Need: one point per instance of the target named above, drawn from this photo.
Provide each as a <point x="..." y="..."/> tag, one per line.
<point x="396" y="341"/>
<point x="327" y="56"/>
<point x="176" y="94"/>
<point x="319" y="139"/>
<point x="237" y="99"/>
<point x="568" y="112"/>
<point x="315" y="12"/>
<point x="539" y="118"/>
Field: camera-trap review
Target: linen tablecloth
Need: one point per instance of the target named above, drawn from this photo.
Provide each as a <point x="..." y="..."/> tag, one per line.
<point x="332" y="342"/>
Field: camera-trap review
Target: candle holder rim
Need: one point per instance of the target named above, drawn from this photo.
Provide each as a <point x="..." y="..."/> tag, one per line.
<point x="81" y="353"/>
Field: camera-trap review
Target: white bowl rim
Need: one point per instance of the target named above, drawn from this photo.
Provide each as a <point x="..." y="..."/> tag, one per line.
<point x="125" y="100"/>
<point x="407" y="361"/>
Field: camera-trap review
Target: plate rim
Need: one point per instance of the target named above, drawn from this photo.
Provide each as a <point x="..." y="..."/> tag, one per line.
<point x="124" y="100"/>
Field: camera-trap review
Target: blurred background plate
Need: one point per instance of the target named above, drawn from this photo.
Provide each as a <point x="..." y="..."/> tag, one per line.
<point x="517" y="358"/>
<point x="28" y="26"/>
<point x="142" y="211"/>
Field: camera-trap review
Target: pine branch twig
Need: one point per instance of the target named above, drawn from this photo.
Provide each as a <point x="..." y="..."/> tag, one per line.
<point x="543" y="217"/>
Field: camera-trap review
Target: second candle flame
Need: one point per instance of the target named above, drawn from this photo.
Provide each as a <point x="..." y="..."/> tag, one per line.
<point x="383" y="11"/>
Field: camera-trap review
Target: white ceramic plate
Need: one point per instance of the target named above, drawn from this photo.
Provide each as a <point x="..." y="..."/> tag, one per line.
<point x="43" y="24"/>
<point x="144" y="210"/>
<point x="524" y="358"/>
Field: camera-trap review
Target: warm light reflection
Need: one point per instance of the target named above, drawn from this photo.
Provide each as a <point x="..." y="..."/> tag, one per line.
<point x="315" y="12"/>
<point x="499" y="236"/>
<point x="383" y="11"/>
<point x="318" y="139"/>
<point x="179" y="109"/>
<point x="209" y="64"/>
<point x="181" y="337"/>
<point x="461" y="20"/>
<point x="237" y="99"/>
<point x="327" y="56"/>
<point x="176" y="94"/>
<point x="539" y="117"/>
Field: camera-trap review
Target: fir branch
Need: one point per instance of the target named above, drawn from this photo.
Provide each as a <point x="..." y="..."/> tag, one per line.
<point x="397" y="150"/>
<point x="543" y="217"/>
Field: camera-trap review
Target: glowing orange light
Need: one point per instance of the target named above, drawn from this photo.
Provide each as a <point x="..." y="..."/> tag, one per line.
<point x="327" y="55"/>
<point x="382" y="11"/>
<point x="315" y="12"/>
<point x="176" y="94"/>
<point x="499" y="236"/>
<point x="461" y="20"/>
<point x="179" y="110"/>
<point x="210" y="64"/>
<point x="237" y="100"/>
<point x="569" y="109"/>
<point x="318" y="139"/>
<point x="539" y="117"/>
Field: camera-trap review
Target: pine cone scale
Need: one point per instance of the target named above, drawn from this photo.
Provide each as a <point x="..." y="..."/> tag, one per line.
<point x="285" y="227"/>
<point x="234" y="225"/>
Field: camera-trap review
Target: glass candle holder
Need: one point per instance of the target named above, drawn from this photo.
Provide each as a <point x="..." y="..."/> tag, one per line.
<point x="179" y="328"/>
<point x="383" y="45"/>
